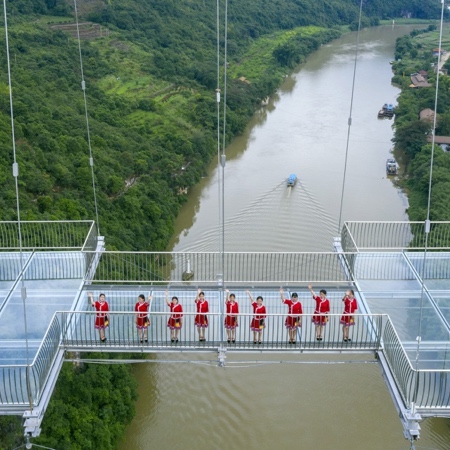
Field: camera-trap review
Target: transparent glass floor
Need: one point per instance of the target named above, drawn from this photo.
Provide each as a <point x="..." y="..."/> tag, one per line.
<point x="394" y="288"/>
<point x="49" y="285"/>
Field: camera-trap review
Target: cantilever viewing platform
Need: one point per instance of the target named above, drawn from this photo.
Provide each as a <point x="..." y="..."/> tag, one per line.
<point x="403" y="295"/>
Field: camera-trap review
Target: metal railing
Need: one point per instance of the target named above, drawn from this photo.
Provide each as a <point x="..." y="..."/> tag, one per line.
<point x="20" y="384"/>
<point x="13" y="385"/>
<point x="123" y="335"/>
<point x="427" y="388"/>
<point x="46" y="235"/>
<point x="381" y="266"/>
<point x="11" y="265"/>
<point x="394" y="236"/>
<point x="204" y="267"/>
<point x="56" y="265"/>
<point x="74" y="331"/>
<point x="89" y="246"/>
<point x="398" y="361"/>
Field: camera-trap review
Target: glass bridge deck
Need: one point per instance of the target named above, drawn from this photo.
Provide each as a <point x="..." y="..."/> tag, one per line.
<point x="401" y="296"/>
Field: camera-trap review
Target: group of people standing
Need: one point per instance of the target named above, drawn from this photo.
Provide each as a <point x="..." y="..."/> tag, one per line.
<point x="292" y="322"/>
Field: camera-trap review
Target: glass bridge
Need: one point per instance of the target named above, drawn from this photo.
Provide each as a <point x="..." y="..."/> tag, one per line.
<point x="400" y="275"/>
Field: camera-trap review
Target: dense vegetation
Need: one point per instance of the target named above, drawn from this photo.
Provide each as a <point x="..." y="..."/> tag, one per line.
<point x="413" y="54"/>
<point x="150" y="71"/>
<point x="90" y="407"/>
<point x="151" y="103"/>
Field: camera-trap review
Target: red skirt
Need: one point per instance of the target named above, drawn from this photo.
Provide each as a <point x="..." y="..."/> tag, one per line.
<point x="292" y="322"/>
<point x="201" y="321"/>
<point x="100" y="322"/>
<point x="320" y="319"/>
<point x="174" y="324"/>
<point x="142" y="322"/>
<point x="231" y="322"/>
<point x="347" y="320"/>
<point x="258" y="324"/>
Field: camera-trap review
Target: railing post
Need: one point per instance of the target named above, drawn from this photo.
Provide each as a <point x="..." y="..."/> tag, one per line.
<point x="221" y="306"/>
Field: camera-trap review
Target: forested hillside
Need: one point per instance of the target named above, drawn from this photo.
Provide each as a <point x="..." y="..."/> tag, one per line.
<point x="414" y="53"/>
<point x="150" y="70"/>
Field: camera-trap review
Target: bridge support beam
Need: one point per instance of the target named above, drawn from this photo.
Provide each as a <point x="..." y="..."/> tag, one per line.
<point x="409" y="417"/>
<point x="410" y="422"/>
<point x="222" y="355"/>
<point x="32" y="424"/>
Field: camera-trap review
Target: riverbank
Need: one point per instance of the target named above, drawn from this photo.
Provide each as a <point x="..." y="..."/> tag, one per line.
<point x="283" y="137"/>
<point x="415" y="53"/>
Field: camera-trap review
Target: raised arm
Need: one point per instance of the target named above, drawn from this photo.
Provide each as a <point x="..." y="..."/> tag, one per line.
<point x="149" y="298"/>
<point x="167" y="298"/>
<point x="250" y="297"/>
<point x="311" y="290"/>
<point x="282" y="295"/>
<point x="91" y="298"/>
<point x="198" y="294"/>
<point x="228" y="295"/>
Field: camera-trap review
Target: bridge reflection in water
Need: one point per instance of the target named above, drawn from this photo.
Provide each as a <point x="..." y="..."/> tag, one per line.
<point x="403" y="317"/>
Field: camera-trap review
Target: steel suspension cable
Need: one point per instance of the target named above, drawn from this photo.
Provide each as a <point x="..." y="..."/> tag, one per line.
<point x="224" y="139"/>
<point x="221" y="153"/>
<point x="350" y="117"/>
<point x="218" y="91"/>
<point x="15" y="168"/>
<point x="83" y="88"/>
<point x="427" y="221"/>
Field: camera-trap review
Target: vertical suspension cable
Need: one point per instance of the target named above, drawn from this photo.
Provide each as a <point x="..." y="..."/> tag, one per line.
<point x="350" y="117"/>
<point x="15" y="168"/>
<point x="223" y="157"/>
<point x="427" y="223"/>
<point x="219" y="185"/>
<point x="83" y="88"/>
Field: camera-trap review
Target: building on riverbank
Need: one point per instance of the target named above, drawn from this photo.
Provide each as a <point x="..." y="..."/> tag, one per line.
<point x="419" y="81"/>
<point x="442" y="141"/>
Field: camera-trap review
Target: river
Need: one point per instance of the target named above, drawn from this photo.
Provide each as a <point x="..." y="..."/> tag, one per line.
<point x="313" y="405"/>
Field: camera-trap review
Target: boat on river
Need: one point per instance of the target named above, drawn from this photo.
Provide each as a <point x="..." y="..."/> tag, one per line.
<point x="391" y="166"/>
<point x="386" y="111"/>
<point x="292" y="179"/>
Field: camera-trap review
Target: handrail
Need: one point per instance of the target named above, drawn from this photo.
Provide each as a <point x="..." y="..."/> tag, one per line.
<point x="122" y="333"/>
<point x="399" y="363"/>
<point x="397" y="235"/>
<point x="44" y="235"/>
<point x="264" y="268"/>
<point x="372" y="332"/>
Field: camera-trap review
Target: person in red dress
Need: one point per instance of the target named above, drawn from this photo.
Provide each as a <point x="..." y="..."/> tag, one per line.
<point x="101" y="318"/>
<point x="348" y="319"/>
<point x="321" y="311"/>
<point x="142" y="319"/>
<point x="201" y="319"/>
<point x="231" y="319"/>
<point x="294" y="319"/>
<point x="259" y="318"/>
<point x="175" y="321"/>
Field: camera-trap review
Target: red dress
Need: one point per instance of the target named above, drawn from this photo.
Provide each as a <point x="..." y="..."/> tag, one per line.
<point x="322" y="308"/>
<point x="350" y="306"/>
<point x="292" y="321"/>
<point x="201" y="319"/>
<point x="175" y="322"/>
<point x="102" y="308"/>
<point x="258" y="321"/>
<point x="231" y="320"/>
<point x="142" y="320"/>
